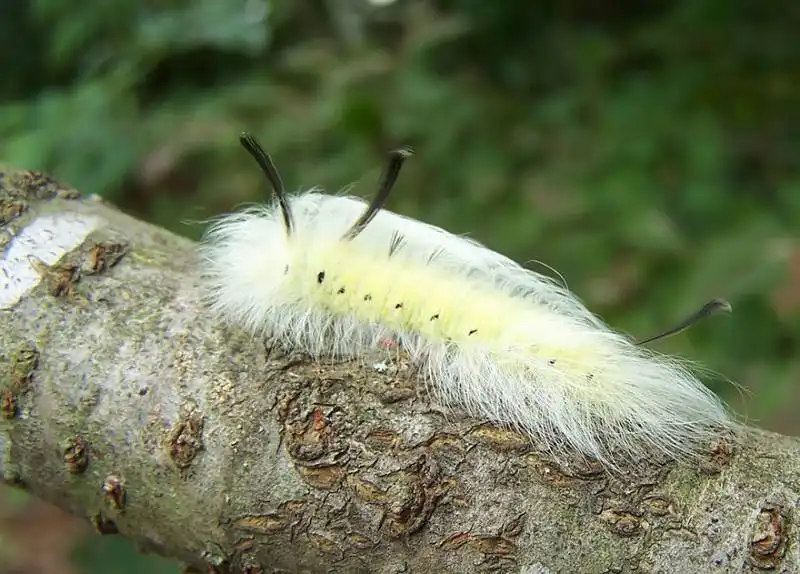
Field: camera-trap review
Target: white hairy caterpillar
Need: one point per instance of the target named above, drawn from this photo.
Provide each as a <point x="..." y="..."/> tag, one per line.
<point x="334" y="276"/>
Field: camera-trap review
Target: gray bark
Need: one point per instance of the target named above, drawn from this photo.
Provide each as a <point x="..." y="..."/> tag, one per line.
<point x="125" y="402"/>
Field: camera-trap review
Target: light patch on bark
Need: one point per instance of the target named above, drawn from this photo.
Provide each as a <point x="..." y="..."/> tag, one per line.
<point x="46" y="239"/>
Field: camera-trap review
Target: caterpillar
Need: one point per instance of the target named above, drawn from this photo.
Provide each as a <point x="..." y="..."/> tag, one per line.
<point x="334" y="276"/>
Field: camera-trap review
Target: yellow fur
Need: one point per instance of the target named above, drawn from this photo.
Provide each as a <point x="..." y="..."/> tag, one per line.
<point x="468" y="313"/>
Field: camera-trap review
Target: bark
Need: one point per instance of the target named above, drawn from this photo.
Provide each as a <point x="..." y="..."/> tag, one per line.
<point x="124" y="402"/>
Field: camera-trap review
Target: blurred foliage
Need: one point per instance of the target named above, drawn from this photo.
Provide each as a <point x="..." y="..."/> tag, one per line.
<point x="649" y="151"/>
<point x="115" y="555"/>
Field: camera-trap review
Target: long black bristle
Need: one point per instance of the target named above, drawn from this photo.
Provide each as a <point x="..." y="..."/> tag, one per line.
<point x="712" y="307"/>
<point x="267" y="166"/>
<point x="390" y="174"/>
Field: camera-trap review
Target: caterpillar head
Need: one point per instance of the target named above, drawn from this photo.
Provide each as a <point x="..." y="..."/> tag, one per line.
<point x="247" y="257"/>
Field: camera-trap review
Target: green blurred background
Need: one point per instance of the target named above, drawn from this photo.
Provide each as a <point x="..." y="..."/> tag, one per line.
<point x="648" y="150"/>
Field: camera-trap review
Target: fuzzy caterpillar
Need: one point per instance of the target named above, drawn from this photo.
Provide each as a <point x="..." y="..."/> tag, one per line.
<point x="334" y="276"/>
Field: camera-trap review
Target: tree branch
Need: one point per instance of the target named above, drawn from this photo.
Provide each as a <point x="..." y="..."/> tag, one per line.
<point x="125" y="402"/>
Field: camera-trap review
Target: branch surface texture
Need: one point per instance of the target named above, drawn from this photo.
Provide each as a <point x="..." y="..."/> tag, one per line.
<point x="122" y="400"/>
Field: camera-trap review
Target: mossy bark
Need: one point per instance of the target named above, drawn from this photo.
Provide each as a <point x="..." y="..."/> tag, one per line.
<point x="125" y="402"/>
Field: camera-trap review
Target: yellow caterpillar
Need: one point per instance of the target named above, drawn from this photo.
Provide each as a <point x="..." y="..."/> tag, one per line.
<point x="335" y="276"/>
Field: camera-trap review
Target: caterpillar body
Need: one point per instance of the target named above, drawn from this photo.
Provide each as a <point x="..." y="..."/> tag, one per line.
<point x="334" y="276"/>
